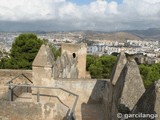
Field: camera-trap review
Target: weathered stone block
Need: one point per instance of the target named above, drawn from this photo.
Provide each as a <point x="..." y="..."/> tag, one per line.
<point x="149" y="103"/>
<point x="128" y="89"/>
<point x="120" y="63"/>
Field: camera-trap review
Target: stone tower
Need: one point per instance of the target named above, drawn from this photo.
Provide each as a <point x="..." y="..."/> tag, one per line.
<point x="42" y="67"/>
<point x="78" y="51"/>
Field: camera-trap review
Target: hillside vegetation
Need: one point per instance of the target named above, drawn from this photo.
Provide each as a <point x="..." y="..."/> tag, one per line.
<point x="115" y="36"/>
<point x="101" y="67"/>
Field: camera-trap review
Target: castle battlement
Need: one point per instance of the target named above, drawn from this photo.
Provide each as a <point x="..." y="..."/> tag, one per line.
<point x="59" y="89"/>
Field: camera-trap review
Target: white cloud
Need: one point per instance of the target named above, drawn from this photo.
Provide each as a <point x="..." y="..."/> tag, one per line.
<point x="98" y="15"/>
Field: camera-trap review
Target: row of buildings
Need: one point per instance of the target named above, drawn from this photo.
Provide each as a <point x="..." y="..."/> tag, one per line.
<point x="129" y="46"/>
<point x="146" y="51"/>
<point x="6" y="39"/>
<point x="59" y="38"/>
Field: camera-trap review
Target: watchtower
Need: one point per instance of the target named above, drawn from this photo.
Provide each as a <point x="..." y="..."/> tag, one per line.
<point x="77" y="51"/>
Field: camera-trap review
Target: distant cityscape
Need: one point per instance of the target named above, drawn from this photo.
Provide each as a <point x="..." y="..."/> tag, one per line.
<point x="148" y="48"/>
<point x="6" y="39"/>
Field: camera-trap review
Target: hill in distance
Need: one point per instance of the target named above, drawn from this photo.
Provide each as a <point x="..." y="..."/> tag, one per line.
<point x="149" y="34"/>
<point x="115" y="36"/>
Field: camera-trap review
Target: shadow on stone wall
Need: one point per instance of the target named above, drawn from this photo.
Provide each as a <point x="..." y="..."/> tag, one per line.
<point x="18" y="91"/>
<point x="93" y="109"/>
<point x="147" y="102"/>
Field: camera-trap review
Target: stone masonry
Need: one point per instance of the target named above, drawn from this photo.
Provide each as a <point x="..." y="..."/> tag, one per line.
<point x="121" y="62"/>
<point x="149" y="103"/>
<point x="125" y="94"/>
<point x="77" y="51"/>
<point x="97" y="99"/>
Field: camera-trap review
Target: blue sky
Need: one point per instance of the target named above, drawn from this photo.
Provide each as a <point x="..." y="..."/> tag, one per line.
<point x="83" y="2"/>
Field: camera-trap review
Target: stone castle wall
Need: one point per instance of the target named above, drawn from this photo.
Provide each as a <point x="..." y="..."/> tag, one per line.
<point x="31" y="111"/>
<point x="124" y="93"/>
<point x="90" y="92"/>
<point x="45" y="67"/>
<point x="65" y="67"/>
<point x="78" y="51"/>
<point x="6" y="75"/>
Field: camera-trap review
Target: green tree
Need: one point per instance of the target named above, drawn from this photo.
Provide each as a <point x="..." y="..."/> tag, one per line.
<point x="150" y="73"/>
<point x="107" y="65"/>
<point x="96" y="70"/>
<point x="100" y="67"/>
<point x="23" y="51"/>
<point x="91" y="59"/>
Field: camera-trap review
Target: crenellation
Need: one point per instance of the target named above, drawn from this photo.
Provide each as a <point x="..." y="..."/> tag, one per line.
<point x="97" y="99"/>
<point x="121" y="61"/>
<point x="149" y="103"/>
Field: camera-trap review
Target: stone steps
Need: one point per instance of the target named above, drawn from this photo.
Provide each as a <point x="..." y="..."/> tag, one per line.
<point x="24" y="97"/>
